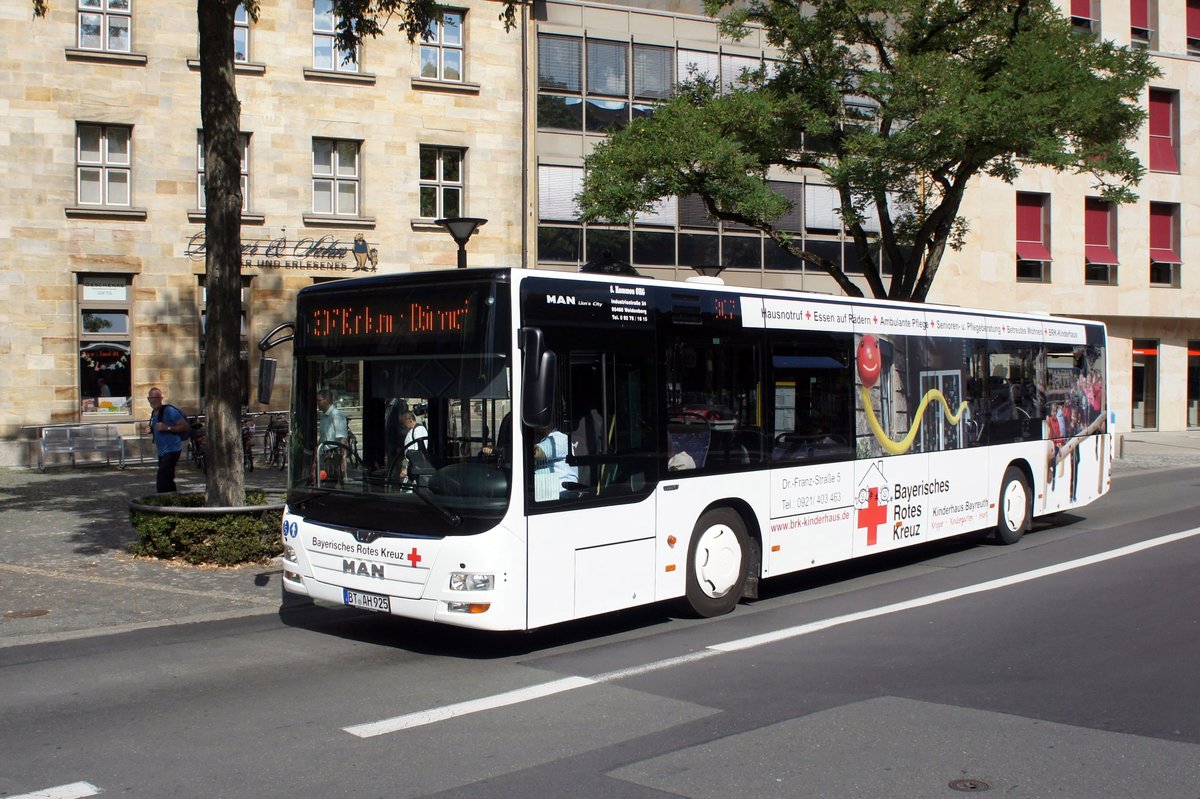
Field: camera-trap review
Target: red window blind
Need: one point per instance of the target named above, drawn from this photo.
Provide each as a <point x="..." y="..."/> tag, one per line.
<point x="1193" y="19"/>
<point x="1162" y="234"/>
<point x="1162" y="131"/>
<point x="1097" y="248"/>
<point x="1139" y="14"/>
<point x="1081" y="8"/>
<point x="1031" y="244"/>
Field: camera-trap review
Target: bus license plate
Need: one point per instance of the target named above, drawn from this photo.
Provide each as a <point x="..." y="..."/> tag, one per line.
<point x="361" y="599"/>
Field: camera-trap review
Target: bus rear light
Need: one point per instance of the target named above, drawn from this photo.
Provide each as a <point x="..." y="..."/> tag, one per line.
<point x="468" y="607"/>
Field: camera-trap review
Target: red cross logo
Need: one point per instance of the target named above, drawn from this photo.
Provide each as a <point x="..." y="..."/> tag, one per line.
<point x="414" y="558"/>
<point x="872" y="516"/>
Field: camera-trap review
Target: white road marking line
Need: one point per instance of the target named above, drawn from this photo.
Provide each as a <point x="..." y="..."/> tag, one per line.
<point x="76" y="790"/>
<point x="464" y="708"/>
<point x="434" y="715"/>
<point x="933" y="599"/>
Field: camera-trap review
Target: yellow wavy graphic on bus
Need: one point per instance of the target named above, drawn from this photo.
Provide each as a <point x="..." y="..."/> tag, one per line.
<point x="869" y="369"/>
<point x="903" y="445"/>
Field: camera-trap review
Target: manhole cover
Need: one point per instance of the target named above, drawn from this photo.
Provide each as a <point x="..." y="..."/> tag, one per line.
<point x="28" y="613"/>
<point x="969" y="785"/>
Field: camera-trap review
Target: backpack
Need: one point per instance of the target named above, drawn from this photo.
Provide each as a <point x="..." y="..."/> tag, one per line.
<point x="185" y="435"/>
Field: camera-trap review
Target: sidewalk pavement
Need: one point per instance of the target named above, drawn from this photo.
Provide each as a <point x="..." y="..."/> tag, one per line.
<point x="65" y="569"/>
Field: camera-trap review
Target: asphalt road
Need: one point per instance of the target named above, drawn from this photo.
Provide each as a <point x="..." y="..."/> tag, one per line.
<point x="1062" y="667"/>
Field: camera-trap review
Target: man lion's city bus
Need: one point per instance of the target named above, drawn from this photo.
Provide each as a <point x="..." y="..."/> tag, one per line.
<point x="506" y="449"/>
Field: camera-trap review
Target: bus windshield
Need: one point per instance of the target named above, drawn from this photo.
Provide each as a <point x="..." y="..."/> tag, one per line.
<point x="402" y="394"/>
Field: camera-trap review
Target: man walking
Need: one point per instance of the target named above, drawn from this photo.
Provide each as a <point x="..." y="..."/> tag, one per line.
<point x="166" y="425"/>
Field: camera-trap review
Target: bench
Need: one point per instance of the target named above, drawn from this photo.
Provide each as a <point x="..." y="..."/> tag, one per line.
<point x="79" y="441"/>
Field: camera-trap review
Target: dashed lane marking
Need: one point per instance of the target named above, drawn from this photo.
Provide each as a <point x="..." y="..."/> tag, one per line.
<point x="76" y="790"/>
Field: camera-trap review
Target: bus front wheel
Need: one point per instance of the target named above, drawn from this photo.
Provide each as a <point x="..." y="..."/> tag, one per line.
<point x="1016" y="506"/>
<point x="717" y="563"/>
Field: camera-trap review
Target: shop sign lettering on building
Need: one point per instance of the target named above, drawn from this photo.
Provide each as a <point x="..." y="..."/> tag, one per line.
<point x="323" y="252"/>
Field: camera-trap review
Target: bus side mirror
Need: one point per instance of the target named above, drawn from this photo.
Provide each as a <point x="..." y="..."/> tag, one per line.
<point x="539" y="378"/>
<point x="266" y="379"/>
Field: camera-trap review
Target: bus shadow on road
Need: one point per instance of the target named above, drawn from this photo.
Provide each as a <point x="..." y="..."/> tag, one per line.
<point x="427" y="638"/>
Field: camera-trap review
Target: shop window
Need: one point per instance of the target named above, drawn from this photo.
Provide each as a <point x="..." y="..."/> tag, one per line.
<point x="104" y="345"/>
<point x="1193" y="384"/>
<point x="1144" y="404"/>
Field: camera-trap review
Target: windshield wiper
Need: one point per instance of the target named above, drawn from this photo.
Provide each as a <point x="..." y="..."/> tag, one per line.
<point x="427" y="497"/>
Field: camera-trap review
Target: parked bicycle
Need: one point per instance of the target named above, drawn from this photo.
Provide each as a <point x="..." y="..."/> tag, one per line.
<point x="197" y="450"/>
<point x="275" y="441"/>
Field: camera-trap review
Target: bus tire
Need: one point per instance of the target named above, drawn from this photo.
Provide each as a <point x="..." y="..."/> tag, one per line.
<point x="1016" y="506"/>
<point x="718" y="557"/>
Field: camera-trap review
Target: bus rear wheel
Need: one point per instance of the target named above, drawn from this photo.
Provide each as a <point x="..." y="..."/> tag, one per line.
<point x="717" y="563"/>
<point x="1016" y="506"/>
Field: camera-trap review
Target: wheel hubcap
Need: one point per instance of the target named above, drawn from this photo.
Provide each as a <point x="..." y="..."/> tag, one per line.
<point x="1014" y="506"/>
<point x="718" y="561"/>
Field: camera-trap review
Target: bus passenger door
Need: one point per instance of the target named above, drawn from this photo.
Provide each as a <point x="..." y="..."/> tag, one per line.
<point x="591" y="540"/>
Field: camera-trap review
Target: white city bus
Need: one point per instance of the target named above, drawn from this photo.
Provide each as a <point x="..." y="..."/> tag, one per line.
<point x="589" y="443"/>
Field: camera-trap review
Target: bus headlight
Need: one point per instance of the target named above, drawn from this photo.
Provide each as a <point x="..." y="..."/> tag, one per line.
<point x="467" y="581"/>
<point x="289" y="553"/>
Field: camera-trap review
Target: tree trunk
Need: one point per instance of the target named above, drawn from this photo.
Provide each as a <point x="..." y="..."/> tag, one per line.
<point x="220" y="114"/>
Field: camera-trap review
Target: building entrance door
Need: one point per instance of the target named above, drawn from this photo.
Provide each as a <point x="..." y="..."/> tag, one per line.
<point x="1145" y="384"/>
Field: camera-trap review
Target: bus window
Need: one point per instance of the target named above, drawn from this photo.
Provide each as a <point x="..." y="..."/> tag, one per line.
<point x="1015" y="403"/>
<point x="713" y="409"/>
<point x="813" y="401"/>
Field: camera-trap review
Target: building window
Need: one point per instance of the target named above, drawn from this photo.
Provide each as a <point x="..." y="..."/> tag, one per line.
<point x="1141" y="30"/>
<point x="326" y="53"/>
<point x="241" y="35"/>
<point x="1164" y="130"/>
<point x="104" y="25"/>
<point x="1099" y="242"/>
<point x="1165" y="263"/>
<point x="442" y="48"/>
<point x="617" y="88"/>
<point x="1085" y="15"/>
<point x="200" y="194"/>
<point x="1193" y="27"/>
<point x="104" y="345"/>
<point x="1033" y="237"/>
<point x="560" y="83"/>
<point x="102" y="165"/>
<point x="441" y="179"/>
<point x="335" y="183"/>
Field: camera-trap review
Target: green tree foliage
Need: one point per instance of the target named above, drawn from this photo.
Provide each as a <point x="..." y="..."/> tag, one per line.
<point x="899" y="104"/>
<point x="220" y="112"/>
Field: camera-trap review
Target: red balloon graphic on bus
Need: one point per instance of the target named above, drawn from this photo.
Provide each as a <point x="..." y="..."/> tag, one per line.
<point x="869" y="363"/>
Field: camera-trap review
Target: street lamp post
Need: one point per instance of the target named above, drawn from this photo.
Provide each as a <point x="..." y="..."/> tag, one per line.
<point x="460" y="229"/>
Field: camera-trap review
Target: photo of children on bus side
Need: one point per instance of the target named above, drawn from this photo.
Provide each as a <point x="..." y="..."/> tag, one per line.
<point x="926" y="394"/>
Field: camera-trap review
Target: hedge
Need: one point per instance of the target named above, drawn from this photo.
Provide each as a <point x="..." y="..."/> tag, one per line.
<point x="225" y="540"/>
